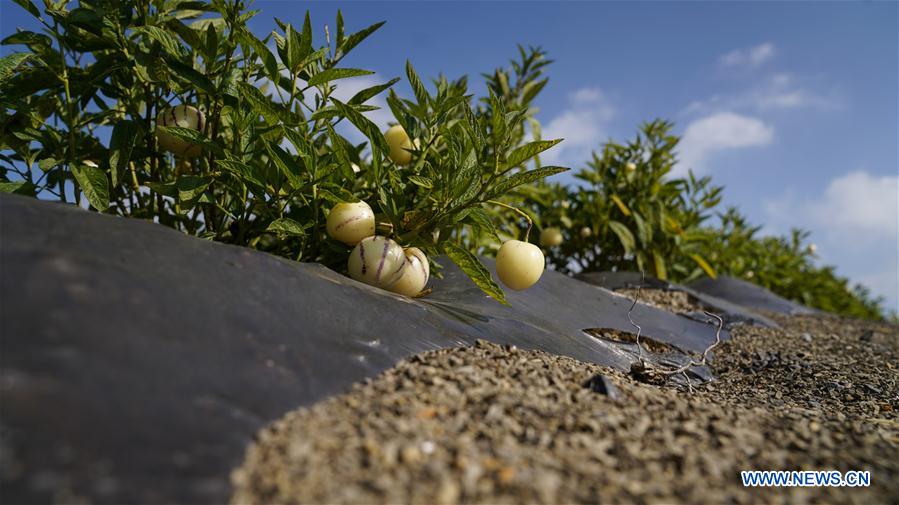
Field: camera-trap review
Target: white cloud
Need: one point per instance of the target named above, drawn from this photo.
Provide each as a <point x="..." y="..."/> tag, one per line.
<point x="860" y="204"/>
<point x="855" y="223"/>
<point x="779" y="91"/>
<point x="583" y="125"/>
<point x="750" y="57"/>
<point x="718" y="132"/>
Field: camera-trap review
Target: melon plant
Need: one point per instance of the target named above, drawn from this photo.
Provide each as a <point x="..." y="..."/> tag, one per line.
<point x="201" y="124"/>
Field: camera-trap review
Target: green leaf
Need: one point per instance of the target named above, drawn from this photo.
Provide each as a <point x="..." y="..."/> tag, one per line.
<point x="475" y="270"/>
<point x="187" y="34"/>
<point x="268" y="59"/>
<point x="332" y="74"/>
<point x="285" y="164"/>
<point x="421" y="94"/>
<point x="242" y="171"/>
<point x="464" y="177"/>
<point x="165" y="39"/>
<point x="28" y="38"/>
<point x="191" y="75"/>
<point x="192" y="136"/>
<point x="286" y="225"/>
<point x="9" y="64"/>
<point x="481" y="219"/>
<point x="306" y="37"/>
<point x="11" y="187"/>
<point x="48" y="163"/>
<point x="190" y="187"/>
<point x="164" y="189"/>
<point x="364" y="95"/>
<point x="293" y="46"/>
<point x="624" y="236"/>
<point x="703" y="264"/>
<point x="644" y="229"/>
<point x="525" y="178"/>
<point x="661" y="271"/>
<point x="421" y="181"/>
<point x="353" y="40"/>
<point x="528" y="151"/>
<point x="30" y="7"/>
<point x="121" y="144"/>
<point x="94" y="184"/>
<point x="621" y="206"/>
<point x="364" y="125"/>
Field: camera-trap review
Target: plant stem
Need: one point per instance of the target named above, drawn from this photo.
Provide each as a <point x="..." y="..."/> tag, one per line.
<point x="527" y="234"/>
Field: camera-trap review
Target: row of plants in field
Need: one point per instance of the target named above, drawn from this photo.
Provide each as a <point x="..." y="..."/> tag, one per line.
<point x="174" y="111"/>
<point x="626" y="213"/>
<point x="213" y="133"/>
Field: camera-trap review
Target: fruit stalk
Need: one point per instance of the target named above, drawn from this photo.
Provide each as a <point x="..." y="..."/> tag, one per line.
<point x="524" y="214"/>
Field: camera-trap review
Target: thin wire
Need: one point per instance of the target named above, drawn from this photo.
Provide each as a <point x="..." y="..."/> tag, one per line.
<point x="683" y="369"/>
<point x="635" y="325"/>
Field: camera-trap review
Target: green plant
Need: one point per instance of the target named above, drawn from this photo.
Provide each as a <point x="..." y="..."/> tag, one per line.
<point x="785" y="265"/>
<point x="263" y="160"/>
<point x="626" y="213"/>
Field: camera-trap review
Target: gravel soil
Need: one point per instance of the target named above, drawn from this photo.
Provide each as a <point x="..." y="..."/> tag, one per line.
<point x="491" y="424"/>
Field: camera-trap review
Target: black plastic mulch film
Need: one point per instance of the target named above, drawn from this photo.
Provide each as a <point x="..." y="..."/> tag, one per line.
<point x="142" y="361"/>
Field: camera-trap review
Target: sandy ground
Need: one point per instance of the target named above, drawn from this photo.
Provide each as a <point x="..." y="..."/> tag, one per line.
<point x="491" y="424"/>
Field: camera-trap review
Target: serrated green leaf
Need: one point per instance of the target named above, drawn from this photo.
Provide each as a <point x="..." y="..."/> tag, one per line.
<point x="121" y="144"/>
<point x="528" y="177"/>
<point x="465" y="175"/>
<point x="421" y="181"/>
<point x="94" y="185"/>
<point x="332" y="74"/>
<point x="48" y="163"/>
<point x="475" y="270"/>
<point x="191" y="75"/>
<point x="28" y="38"/>
<point x="187" y="34"/>
<point x="481" y="219"/>
<point x="528" y="151"/>
<point x="364" y="125"/>
<point x="9" y="64"/>
<point x="353" y="40"/>
<point x="367" y="93"/>
<point x="164" y="189"/>
<point x="268" y="59"/>
<point x="285" y="164"/>
<point x="30" y="7"/>
<point x="624" y="235"/>
<point x="11" y="187"/>
<point x="190" y="187"/>
<point x="286" y="225"/>
<point x="242" y="171"/>
<point x="421" y="94"/>
<point x="192" y="136"/>
<point x="165" y="39"/>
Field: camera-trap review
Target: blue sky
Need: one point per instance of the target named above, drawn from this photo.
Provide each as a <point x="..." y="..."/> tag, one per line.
<point x="791" y="106"/>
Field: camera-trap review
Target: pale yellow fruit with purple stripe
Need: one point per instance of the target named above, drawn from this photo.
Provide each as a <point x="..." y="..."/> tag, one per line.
<point x="519" y="265"/>
<point x="398" y="141"/>
<point x="351" y="222"/>
<point x="415" y="274"/>
<point x="377" y="261"/>
<point x="183" y="116"/>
